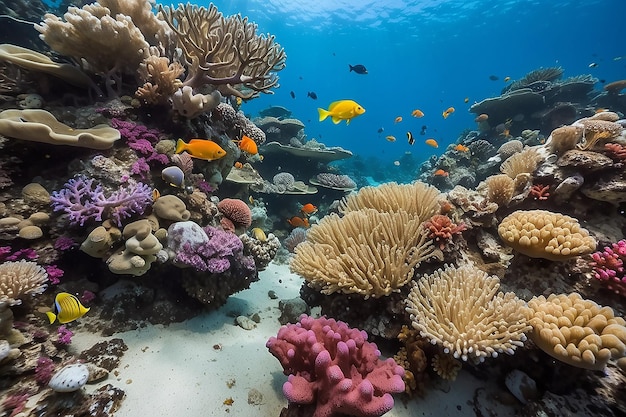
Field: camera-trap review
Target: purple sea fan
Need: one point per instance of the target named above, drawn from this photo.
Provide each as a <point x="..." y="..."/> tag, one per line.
<point x="214" y="255"/>
<point x="82" y="200"/>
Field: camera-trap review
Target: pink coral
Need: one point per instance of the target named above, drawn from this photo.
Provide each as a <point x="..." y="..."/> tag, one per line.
<point x="442" y="229"/>
<point x="608" y="266"/>
<point x="336" y="368"/>
<point x="236" y="211"/>
<point x="54" y="273"/>
<point x="44" y="370"/>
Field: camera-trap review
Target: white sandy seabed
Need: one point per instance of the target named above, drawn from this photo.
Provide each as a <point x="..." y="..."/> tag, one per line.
<point x="176" y="371"/>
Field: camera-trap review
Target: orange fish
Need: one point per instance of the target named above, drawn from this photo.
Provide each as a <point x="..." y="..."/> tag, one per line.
<point x="308" y="209"/>
<point x="461" y="148"/>
<point x="432" y="142"/>
<point x="441" y="173"/>
<point x="398" y="119"/>
<point x="238" y="165"/>
<point x="601" y="110"/>
<point x="481" y="117"/>
<point x="448" y="112"/>
<point x="417" y="113"/>
<point x="201" y="149"/>
<point x="247" y="145"/>
<point x="296" y="221"/>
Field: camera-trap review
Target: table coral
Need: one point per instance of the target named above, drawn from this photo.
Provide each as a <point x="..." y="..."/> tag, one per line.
<point x="336" y="368"/>
<point x="82" y="199"/>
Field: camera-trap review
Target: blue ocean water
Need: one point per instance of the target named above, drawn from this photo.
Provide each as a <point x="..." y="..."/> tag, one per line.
<point x="427" y="55"/>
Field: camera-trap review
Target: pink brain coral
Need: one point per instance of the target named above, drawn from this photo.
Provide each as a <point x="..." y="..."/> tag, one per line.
<point x="236" y="211"/>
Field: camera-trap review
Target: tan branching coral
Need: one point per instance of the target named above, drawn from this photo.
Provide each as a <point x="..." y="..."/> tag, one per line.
<point x="365" y="252"/>
<point x="596" y="131"/>
<point x="500" y="189"/>
<point x="160" y="79"/>
<point x="98" y="40"/>
<point x="544" y="234"/>
<point x="523" y="162"/>
<point x="564" y="138"/>
<point x="417" y="198"/>
<point x="224" y="52"/>
<point x="18" y="279"/>
<point x="577" y="331"/>
<point x="461" y="310"/>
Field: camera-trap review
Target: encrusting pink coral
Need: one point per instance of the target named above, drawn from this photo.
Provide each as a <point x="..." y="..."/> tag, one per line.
<point x="608" y="266"/>
<point x="336" y="368"/>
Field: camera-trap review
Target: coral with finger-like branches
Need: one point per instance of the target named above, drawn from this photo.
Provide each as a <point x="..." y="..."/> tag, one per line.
<point x="224" y="52"/>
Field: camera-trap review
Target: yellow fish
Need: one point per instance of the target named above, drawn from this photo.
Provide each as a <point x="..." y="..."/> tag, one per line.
<point x="66" y="308"/>
<point x="391" y="138"/>
<point x="507" y="79"/>
<point x="259" y="234"/>
<point x="341" y="110"/>
<point x="397" y="119"/>
<point x="417" y="113"/>
<point x="201" y="149"/>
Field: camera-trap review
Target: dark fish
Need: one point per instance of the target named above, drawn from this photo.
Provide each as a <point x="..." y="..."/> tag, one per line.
<point x="380" y="130"/>
<point x="410" y="137"/>
<point x="312" y="95"/>
<point x="423" y="131"/>
<point x="292" y="94"/>
<point x="602" y="80"/>
<point x="494" y="78"/>
<point x="359" y="69"/>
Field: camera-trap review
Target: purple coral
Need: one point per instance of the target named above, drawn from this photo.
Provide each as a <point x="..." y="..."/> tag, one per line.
<point x="64" y="243"/>
<point x="64" y="335"/>
<point x="54" y="273"/>
<point x="608" y="266"/>
<point x="7" y="254"/>
<point x="214" y="255"/>
<point x="82" y="200"/>
<point x="142" y="140"/>
<point x="44" y="370"/>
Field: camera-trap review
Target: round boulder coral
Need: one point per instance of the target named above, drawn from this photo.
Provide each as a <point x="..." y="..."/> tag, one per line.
<point x="543" y="234"/>
<point x="236" y="211"/>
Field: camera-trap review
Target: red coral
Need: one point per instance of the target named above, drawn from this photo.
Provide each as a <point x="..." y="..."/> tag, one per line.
<point x="236" y="211"/>
<point x="540" y="191"/>
<point x="616" y="151"/>
<point x="442" y="229"/>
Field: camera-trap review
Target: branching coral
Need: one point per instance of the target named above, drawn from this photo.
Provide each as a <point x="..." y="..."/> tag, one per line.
<point x="82" y="199"/>
<point x="577" y="331"/>
<point x="224" y="52"/>
<point x="543" y="234"/>
<point x="102" y="42"/>
<point x="19" y="279"/>
<point x="160" y="79"/>
<point x="462" y="310"/>
<point x="364" y="252"/>
<point x="442" y="230"/>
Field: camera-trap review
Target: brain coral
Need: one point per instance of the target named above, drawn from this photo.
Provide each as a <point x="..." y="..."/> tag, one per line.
<point x="543" y="234"/>
<point x="236" y="211"/>
<point x="577" y="331"/>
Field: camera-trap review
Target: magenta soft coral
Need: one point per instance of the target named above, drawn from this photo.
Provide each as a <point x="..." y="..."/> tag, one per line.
<point x="608" y="266"/>
<point x="334" y="366"/>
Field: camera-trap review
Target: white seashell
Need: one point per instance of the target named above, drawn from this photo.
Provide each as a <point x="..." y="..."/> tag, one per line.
<point x="69" y="378"/>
